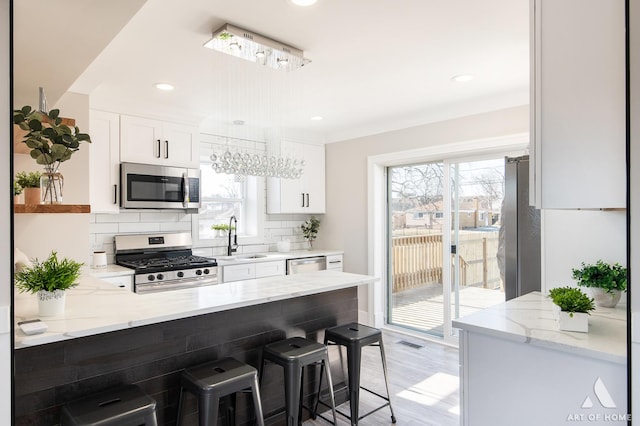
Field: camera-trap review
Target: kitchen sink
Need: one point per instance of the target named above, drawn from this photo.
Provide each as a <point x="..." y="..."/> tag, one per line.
<point x="242" y="257"/>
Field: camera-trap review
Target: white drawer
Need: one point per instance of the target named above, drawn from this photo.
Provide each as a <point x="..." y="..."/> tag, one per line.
<point x="334" y="261"/>
<point x="244" y="271"/>
<point x="270" y="269"/>
<point x="123" y="281"/>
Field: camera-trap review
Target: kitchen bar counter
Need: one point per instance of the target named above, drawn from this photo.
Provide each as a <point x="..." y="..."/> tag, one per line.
<point x="96" y="307"/>
<point x="530" y="319"/>
<point x="513" y="352"/>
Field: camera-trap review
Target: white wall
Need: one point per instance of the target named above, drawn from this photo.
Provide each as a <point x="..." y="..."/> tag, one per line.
<point x="68" y="234"/>
<point x="570" y="237"/>
<point x="6" y="263"/>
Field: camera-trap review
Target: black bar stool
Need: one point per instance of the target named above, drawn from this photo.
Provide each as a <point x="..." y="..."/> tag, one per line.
<point x="211" y="381"/>
<point x="293" y="355"/>
<point x="356" y="336"/>
<point x="125" y="406"/>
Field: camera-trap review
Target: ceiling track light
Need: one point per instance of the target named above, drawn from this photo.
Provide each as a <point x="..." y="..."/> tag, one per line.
<point x="257" y="48"/>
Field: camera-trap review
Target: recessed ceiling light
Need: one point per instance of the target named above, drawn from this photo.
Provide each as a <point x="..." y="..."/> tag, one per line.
<point x="164" y="86"/>
<point x="303" y="2"/>
<point x="316" y="118"/>
<point x="238" y="122"/>
<point x="462" y="78"/>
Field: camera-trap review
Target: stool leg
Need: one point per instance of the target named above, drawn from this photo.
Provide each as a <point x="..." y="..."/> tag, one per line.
<point x="208" y="410"/>
<point x="257" y="403"/>
<point x="327" y="370"/>
<point x="292" y="389"/>
<point x="386" y="381"/>
<point x="180" y="402"/>
<point x="315" y="406"/>
<point x="354" y="360"/>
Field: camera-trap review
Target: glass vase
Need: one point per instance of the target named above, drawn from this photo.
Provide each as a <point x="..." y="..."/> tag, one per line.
<point x="51" y="185"/>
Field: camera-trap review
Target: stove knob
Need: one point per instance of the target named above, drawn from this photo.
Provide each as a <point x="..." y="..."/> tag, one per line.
<point x="206" y="271"/>
<point x="180" y="274"/>
<point x="151" y="277"/>
<point x="198" y="272"/>
<point x="160" y="277"/>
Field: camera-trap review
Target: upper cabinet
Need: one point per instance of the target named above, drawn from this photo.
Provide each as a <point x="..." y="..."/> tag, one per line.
<point x="303" y="195"/>
<point x="105" y="161"/>
<point x="148" y="141"/>
<point x="578" y="104"/>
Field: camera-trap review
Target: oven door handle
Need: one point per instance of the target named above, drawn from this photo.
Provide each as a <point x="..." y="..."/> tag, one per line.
<point x="185" y="189"/>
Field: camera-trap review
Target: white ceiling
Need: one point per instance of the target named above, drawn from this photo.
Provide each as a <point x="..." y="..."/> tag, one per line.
<point x="377" y="65"/>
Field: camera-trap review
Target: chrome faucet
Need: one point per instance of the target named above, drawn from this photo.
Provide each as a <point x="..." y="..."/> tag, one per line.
<point x="233" y="225"/>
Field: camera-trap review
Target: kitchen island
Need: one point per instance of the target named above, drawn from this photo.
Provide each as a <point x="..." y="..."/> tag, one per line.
<point x="109" y="336"/>
<point x="518" y="368"/>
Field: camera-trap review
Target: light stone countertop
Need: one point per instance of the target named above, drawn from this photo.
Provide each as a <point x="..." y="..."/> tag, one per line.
<point x="530" y="319"/>
<point x="271" y="256"/>
<point x="96" y="307"/>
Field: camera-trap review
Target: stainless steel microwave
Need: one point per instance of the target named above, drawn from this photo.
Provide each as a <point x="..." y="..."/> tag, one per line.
<point x="145" y="186"/>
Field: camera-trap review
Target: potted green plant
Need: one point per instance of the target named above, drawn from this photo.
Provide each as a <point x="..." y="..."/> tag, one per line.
<point x="605" y="281"/>
<point x="574" y="307"/>
<point x="51" y="143"/>
<point x="30" y="183"/>
<point x="221" y="229"/>
<point x="17" y="190"/>
<point x="310" y="229"/>
<point x="49" y="280"/>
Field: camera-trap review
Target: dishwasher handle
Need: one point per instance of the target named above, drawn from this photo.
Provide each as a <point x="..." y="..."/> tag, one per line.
<point x="307" y="264"/>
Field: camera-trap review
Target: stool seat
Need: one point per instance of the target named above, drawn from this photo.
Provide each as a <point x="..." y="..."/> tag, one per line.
<point x="353" y="332"/>
<point x="293" y="355"/>
<point x="124" y="406"/>
<point x="354" y="337"/>
<point x="295" y="349"/>
<point x="214" y="380"/>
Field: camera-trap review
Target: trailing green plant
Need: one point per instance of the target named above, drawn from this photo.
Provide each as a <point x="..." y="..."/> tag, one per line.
<point x="602" y="275"/>
<point x="49" y="275"/>
<point x="222" y="227"/>
<point x="51" y="144"/>
<point x="571" y="300"/>
<point x="17" y="188"/>
<point x="310" y="228"/>
<point x="28" y="180"/>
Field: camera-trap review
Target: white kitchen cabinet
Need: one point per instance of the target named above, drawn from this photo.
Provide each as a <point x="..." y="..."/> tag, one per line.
<point x="578" y="104"/>
<point x="122" y="281"/>
<point x="147" y="141"/>
<point x="242" y="271"/>
<point x="271" y="269"/>
<point x="251" y="270"/>
<point x="334" y="262"/>
<point x="104" y="128"/>
<point x="303" y="195"/>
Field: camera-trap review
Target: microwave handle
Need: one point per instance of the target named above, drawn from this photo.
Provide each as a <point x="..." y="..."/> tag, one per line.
<point x="185" y="189"/>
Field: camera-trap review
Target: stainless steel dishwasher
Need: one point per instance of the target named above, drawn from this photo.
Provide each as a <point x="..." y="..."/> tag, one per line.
<point x="306" y="264"/>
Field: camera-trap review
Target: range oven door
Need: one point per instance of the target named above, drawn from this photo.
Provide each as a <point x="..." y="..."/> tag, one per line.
<point x="147" y="186"/>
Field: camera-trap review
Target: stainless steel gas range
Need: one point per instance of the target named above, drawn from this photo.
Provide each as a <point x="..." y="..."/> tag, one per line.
<point x="164" y="262"/>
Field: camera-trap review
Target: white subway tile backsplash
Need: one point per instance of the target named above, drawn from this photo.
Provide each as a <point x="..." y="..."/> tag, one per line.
<point x="175" y="226"/>
<point x="139" y="227"/>
<point x="103" y="228"/>
<point x="117" y="218"/>
<point x="162" y="217"/>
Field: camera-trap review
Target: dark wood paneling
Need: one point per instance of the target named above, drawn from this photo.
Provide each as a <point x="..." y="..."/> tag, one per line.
<point x="153" y="356"/>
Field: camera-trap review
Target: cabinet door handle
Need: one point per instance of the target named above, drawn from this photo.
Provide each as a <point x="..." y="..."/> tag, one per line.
<point x="158" y="154"/>
<point x="115" y="194"/>
<point x="302" y="200"/>
<point x="166" y="149"/>
<point x="307" y="199"/>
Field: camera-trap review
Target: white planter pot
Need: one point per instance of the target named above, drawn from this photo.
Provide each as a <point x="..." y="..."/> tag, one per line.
<point x="604" y="299"/>
<point x="578" y="322"/>
<point x="50" y="303"/>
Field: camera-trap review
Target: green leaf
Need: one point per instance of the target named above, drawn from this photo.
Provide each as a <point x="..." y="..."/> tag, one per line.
<point x="26" y="110"/>
<point x="54" y="113"/>
<point x="35" y="124"/>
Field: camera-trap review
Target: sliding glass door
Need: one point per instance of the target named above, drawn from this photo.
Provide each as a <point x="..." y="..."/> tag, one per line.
<point x="443" y="221"/>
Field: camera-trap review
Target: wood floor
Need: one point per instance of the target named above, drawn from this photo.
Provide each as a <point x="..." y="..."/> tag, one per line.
<point x="423" y="380"/>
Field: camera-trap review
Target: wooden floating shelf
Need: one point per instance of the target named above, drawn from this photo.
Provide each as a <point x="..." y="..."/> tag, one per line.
<point x="51" y="208"/>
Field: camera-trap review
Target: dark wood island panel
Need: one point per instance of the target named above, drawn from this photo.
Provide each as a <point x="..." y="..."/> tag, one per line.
<point x="152" y="356"/>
